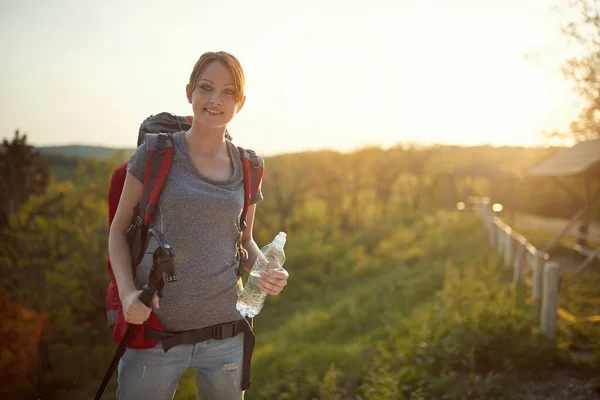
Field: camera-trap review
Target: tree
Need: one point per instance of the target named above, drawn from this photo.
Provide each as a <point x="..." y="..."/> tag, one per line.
<point x="285" y="184"/>
<point x="24" y="173"/>
<point x="583" y="69"/>
<point x="53" y="273"/>
<point x="387" y="169"/>
<point x="334" y="177"/>
<point x="415" y="180"/>
<point x="52" y="267"/>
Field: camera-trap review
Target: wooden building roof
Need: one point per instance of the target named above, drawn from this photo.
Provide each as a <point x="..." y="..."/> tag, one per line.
<point x="572" y="161"/>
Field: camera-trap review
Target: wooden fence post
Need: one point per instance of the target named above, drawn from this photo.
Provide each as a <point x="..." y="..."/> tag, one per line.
<point x="519" y="261"/>
<point x="488" y="217"/>
<point x="492" y="228"/>
<point x="550" y="299"/>
<point x="479" y="206"/>
<point x="508" y="248"/>
<point x="500" y="237"/>
<point x="537" y="276"/>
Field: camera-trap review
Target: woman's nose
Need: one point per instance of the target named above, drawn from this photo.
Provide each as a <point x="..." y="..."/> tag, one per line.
<point x="215" y="97"/>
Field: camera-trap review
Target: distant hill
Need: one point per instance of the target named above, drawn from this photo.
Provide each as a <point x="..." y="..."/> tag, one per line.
<point x="446" y="157"/>
<point x="81" y="151"/>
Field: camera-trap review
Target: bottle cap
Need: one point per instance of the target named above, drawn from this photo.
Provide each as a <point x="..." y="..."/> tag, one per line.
<point x="280" y="239"/>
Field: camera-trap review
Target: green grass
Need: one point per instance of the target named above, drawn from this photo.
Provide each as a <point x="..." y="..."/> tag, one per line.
<point x="422" y="310"/>
<point x="416" y="308"/>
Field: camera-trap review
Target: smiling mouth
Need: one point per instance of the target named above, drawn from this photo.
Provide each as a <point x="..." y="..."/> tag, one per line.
<point x="213" y="112"/>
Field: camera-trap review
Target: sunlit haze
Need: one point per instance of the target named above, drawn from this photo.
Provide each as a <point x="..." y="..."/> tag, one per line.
<point x="320" y="74"/>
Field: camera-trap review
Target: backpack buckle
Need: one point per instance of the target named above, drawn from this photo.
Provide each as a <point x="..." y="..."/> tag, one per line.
<point x="161" y="143"/>
<point x="135" y="224"/>
<point x="243" y="254"/>
<point x="253" y="158"/>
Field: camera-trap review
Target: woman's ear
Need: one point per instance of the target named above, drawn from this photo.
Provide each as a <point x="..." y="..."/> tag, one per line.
<point x="242" y="101"/>
<point x="188" y="92"/>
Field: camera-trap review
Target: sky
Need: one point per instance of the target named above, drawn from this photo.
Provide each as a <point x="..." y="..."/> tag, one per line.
<point x="323" y="74"/>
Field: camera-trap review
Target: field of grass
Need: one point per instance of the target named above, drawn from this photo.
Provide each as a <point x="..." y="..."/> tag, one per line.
<point x="415" y="309"/>
<point x="395" y="301"/>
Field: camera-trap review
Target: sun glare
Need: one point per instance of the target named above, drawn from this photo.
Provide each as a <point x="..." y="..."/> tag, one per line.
<point x="469" y="85"/>
<point x="341" y="78"/>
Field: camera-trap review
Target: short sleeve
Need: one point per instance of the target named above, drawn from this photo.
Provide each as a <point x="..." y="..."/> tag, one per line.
<point x="137" y="163"/>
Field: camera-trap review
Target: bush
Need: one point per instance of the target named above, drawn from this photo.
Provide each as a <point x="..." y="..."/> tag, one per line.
<point x="469" y="342"/>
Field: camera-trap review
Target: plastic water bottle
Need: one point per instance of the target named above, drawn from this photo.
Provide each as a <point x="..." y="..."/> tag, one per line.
<point x="251" y="299"/>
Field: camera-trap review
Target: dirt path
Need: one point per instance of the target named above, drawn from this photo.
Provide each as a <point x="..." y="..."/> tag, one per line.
<point x="562" y="385"/>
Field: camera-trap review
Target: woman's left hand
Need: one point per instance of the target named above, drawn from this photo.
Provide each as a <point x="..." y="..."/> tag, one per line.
<point x="273" y="282"/>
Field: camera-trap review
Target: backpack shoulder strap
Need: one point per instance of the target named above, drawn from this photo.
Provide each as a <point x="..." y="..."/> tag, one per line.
<point x="253" y="166"/>
<point x="159" y="155"/>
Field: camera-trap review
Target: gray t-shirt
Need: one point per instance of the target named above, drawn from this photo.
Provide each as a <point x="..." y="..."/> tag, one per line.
<point x="199" y="218"/>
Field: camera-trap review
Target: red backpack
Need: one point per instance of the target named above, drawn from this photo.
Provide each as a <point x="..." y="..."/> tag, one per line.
<point x="155" y="132"/>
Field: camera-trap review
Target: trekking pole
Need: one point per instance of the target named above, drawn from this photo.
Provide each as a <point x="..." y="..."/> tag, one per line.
<point x="162" y="262"/>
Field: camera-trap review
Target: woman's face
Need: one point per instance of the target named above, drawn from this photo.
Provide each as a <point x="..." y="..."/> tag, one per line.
<point x="213" y="98"/>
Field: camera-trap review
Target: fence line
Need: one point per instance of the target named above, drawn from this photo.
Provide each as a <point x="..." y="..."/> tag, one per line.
<point x="518" y="253"/>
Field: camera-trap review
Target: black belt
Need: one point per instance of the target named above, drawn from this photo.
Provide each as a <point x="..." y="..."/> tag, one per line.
<point x="218" y="332"/>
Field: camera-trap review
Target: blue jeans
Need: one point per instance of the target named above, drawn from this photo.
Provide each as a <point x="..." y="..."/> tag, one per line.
<point x="154" y="375"/>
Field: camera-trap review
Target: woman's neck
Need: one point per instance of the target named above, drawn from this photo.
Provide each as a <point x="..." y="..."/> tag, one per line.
<point x="210" y="141"/>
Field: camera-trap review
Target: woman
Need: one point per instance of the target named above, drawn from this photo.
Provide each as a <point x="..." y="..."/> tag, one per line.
<point x="198" y="212"/>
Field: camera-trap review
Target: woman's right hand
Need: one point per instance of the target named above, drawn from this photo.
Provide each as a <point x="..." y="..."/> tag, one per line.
<point x="134" y="310"/>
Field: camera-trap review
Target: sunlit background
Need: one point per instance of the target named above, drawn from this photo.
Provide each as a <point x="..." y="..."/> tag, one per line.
<point x="320" y="74"/>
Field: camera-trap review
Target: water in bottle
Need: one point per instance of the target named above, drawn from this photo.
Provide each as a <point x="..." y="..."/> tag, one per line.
<point x="251" y="299"/>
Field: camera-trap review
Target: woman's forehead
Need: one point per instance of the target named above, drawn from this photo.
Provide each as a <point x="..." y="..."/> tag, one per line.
<point x="216" y="72"/>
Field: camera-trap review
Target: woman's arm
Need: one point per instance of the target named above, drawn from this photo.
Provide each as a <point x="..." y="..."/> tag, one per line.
<point x="248" y="241"/>
<point x="273" y="282"/>
<point x="135" y="311"/>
